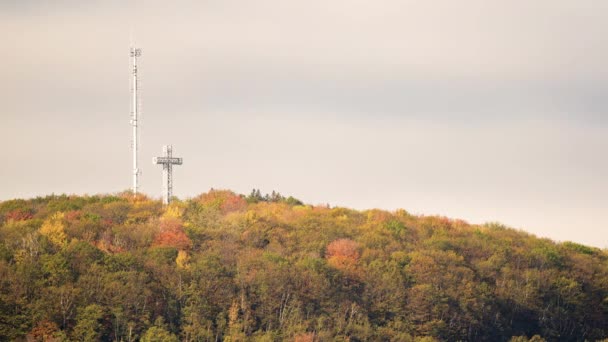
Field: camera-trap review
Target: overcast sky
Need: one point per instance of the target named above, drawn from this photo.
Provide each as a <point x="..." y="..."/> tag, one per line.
<point x="481" y="110"/>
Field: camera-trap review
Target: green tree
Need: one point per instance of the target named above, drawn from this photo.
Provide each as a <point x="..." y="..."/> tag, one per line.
<point x="88" y="323"/>
<point x="159" y="333"/>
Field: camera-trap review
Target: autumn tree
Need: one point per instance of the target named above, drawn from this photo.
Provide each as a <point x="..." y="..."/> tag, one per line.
<point x="343" y="254"/>
<point x="54" y="229"/>
<point x="222" y="266"/>
<point x="172" y="235"/>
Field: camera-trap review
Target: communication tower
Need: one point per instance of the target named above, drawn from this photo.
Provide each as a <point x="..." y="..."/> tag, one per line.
<point x="135" y="53"/>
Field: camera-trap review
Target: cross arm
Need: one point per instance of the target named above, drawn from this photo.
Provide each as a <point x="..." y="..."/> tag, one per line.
<point x="167" y="160"/>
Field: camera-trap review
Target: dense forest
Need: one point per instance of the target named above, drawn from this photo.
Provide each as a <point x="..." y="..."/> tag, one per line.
<point x="229" y="267"/>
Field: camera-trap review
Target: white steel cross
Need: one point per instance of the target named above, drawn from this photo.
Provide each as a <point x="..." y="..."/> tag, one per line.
<point x="167" y="161"/>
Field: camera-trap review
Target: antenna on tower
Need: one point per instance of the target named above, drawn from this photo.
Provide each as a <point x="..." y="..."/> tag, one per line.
<point x="135" y="53"/>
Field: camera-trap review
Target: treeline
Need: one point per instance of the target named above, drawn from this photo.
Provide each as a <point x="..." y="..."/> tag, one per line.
<point x="228" y="267"/>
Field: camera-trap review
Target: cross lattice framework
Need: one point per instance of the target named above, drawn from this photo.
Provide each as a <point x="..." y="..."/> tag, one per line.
<point x="167" y="161"/>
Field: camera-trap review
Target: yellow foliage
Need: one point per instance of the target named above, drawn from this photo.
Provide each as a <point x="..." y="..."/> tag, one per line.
<point x="20" y="256"/>
<point x="174" y="210"/>
<point x="182" y="259"/>
<point x="251" y="217"/>
<point x="233" y="314"/>
<point x="54" y="229"/>
<point x="301" y="208"/>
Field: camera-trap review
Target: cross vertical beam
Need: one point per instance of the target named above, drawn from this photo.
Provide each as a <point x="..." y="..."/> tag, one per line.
<point x="167" y="161"/>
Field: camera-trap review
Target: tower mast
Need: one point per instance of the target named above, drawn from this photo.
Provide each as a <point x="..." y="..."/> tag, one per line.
<point x="135" y="53"/>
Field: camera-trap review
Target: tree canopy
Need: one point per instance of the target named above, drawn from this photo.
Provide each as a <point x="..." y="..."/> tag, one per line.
<point x="224" y="266"/>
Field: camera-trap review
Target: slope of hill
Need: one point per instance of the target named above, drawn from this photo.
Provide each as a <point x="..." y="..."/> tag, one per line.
<point x="228" y="267"/>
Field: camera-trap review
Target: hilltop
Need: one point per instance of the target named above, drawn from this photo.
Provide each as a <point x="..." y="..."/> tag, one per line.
<point x="223" y="266"/>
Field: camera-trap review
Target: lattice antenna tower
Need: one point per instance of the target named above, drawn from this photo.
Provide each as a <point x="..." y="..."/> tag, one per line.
<point x="135" y="111"/>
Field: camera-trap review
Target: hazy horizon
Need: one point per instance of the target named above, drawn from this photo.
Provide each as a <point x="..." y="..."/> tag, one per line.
<point x="477" y="110"/>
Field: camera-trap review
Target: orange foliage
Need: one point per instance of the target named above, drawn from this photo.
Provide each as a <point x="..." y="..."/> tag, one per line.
<point x="233" y="203"/>
<point x="105" y="244"/>
<point x="106" y="222"/>
<point x="444" y="222"/>
<point x="73" y="215"/>
<point x="225" y="200"/>
<point x="133" y="198"/>
<point x="343" y="248"/>
<point x="172" y="235"/>
<point x="343" y="254"/>
<point x="19" y="215"/>
<point x="170" y="223"/>
<point x="173" y="238"/>
<point x="44" y="331"/>
<point x="379" y="216"/>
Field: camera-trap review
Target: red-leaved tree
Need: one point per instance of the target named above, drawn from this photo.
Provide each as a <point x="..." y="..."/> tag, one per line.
<point x="343" y="254"/>
<point x="172" y="235"/>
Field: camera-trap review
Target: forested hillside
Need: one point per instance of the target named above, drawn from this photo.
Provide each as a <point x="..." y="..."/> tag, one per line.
<point x="228" y="267"/>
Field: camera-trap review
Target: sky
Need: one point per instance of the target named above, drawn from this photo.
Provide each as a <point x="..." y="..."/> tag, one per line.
<point x="484" y="110"/>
